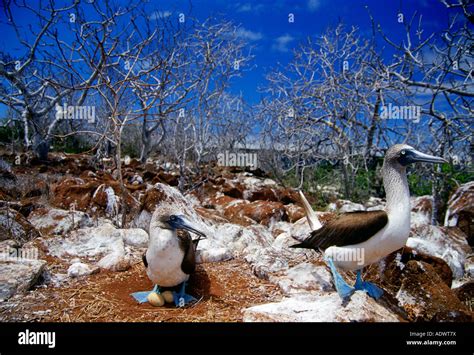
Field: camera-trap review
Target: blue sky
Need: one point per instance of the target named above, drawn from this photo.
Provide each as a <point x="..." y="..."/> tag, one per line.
<point x="265" y="25"/>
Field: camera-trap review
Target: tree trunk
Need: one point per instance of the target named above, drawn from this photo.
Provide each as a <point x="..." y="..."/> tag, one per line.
<point x="370" y="138"/>
<point x="146" y="145"/>
<point x="345" y="175"/>
<point x="25" y="118"/>
<point x="41" y="147"/>
<point x="373" y="124"/>
<point x="118" y="158"/>
<point x="182" y="176"/>
<point x="436" y="197"/>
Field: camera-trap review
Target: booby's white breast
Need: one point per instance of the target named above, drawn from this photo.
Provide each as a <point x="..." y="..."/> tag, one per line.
<point x="164" y="257"/>
<point x="390" y="238"/>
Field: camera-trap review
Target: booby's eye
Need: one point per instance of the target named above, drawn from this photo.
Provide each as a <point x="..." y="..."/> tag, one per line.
<point x="403" y="152"/>
<point x="172" y="218"/>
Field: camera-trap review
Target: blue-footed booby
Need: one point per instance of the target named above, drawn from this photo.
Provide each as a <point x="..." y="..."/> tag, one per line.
<point x="358" y="239"/>
<point x="170" y="257"/>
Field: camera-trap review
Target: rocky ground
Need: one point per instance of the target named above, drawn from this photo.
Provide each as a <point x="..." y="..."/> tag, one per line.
<point x="80" y="264"/>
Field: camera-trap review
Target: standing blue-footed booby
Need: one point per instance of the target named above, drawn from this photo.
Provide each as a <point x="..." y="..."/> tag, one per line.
<point x="170" y="257"/>
<point x="358" y="239"/>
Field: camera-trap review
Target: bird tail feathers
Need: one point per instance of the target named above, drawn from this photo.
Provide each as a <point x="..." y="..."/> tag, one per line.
<point x="311" y="216"/>
<point x="299" y="245"/>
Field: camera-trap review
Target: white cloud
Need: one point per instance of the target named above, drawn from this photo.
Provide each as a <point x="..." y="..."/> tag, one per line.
<point x="244" y="8"/>
<point x="248" y="34"/>
<point x="313" y="5"/>
<point x="248" y="7"/>
<point x="282" y="42"/>
<point x="159" y="14"/>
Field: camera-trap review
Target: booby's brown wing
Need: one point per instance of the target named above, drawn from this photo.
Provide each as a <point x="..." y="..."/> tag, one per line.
<point x="349" y="229"/>
<point x="189" y="246"/>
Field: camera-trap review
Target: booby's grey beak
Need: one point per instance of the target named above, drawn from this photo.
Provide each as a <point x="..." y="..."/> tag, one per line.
<point x="181" y="222"/>
<point x="414" y="156"/>
<point x="422" y="157"/>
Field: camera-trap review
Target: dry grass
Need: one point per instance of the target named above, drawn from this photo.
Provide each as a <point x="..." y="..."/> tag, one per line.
<point x="224" y="289"/>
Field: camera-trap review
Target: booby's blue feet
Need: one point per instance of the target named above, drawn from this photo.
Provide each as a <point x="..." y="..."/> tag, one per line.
<point x="181" y="299"/>
<point x="342" y="288"/>
<point x="142" y="296"/>
<point x="345" y="291"/>
<point x="369" y="287"/>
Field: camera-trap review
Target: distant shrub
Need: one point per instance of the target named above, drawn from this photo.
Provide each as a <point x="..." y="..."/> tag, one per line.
<point x="131" y="142"/>
<point x="71" y="145"/>
<point x="419" y="184"/>
<point x="368" y="183"/>
<point x="10" y="133"/>
<point x="131" y="149"/>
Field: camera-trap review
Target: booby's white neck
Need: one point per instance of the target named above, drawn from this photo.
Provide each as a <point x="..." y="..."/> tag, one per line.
<point x="396" y="190"/>
<point x="160" y="238"/>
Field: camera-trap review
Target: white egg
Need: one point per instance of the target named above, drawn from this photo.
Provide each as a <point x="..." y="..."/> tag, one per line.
<point x="168" y="296"/>
<point x="156" y="299"/>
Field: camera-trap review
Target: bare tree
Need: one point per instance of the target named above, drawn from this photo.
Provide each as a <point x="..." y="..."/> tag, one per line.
<point x="50" y="70"/>
<point x="166" y="88"/>
<point x="219" y="54"/>
<point x="437" y="72"/>
<point x="325" y="104"/>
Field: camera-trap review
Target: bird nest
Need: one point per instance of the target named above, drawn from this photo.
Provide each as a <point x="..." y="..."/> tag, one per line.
<point x="223" y="290"/>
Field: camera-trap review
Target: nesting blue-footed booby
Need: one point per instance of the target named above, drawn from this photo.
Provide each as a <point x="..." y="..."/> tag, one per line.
<point x="358" y="239"/>
<point x="170" y="257"/>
